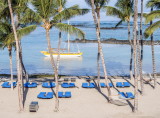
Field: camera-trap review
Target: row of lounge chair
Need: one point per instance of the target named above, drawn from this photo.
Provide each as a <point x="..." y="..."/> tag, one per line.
<point x="103" y="85"/>
<point x="66" y="85"/>
<point x="34" y="85"/>
<point x="49" y="95"/>
<point x="127" y="95"/>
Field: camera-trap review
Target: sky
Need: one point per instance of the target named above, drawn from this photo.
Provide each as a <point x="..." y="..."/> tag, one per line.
<point x="88" y="17"/>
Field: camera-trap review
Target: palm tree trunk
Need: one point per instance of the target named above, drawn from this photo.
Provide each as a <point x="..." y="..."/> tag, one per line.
<point x="153" y="57"/>
<point x="135" y="33"/>
<point x="98" y="55"/>
<point x="97" y="23"/>
<point x="141" y="52"/>
<point x="11" y="65"/>
<point x="19" y="74"/>
<point x="54" y="68"/>
<point x="23" y="67"/>
<point x="131" y="59"/>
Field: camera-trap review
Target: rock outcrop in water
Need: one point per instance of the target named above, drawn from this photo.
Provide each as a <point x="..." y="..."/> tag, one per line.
<point x="112" y="41"/>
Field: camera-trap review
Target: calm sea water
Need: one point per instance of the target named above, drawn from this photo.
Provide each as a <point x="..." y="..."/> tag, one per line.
<point x="116" y="56"/>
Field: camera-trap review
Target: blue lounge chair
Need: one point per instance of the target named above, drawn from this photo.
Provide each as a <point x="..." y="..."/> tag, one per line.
<point x="71" y="85"/>
<point x="5" y="83"/>
<point x="85" y="85"/>
<point x="119" y="84"/>
<point x="8" y="85"/>
<point x="130" y="95"/>
<point x="49" y="95"/>
<point x="122" y="94"/>
<point x="68" y="94"/>
<point x="48" y="85"/>
<point x="91" y="85"/>
<point x="41" y="95"/>
<point x="126" y="84"/>
<point x="65" y="85"/>
<point x="110" y="85"/>
<point x="44" y="95"/>
<point x="30" y="85"/>
<point x="60" y="95"/>
<point x="103" y="85"/>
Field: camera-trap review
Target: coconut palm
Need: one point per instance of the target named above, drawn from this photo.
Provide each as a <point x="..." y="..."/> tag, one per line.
<point x="23" y="15"/>
<point x="153" y="27"/>
<point x="124" y="10"/>
<point x="50" y="17"/>
<point x="96" y="6"/>
<point x="152" y="16"/>
<point x="20" y="16"/>
<point x="141" y="52"/>
<point x="7" y="38"/>
<point x="135" y="37"/>
<point x="19" y="74"/>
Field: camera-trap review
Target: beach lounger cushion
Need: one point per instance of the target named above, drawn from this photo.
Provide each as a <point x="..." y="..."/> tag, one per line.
<point x="110" y="85"/>
<point x="67" y="94"/>
<point x="30" y="85"/>
<point x="122" y="95"/>
<point x="126" y="95"/>
<point x="8" y="85"/>
<point x="91" y="85"/>
<point x="130" y="95"/>
<point x="103" y="85"/>
<point x="48" y="85"/>
<point x="119" y="84"/>
<point x="68" y="85"/>
<point x="85" y="85"/>
<point x="41" y="94"/>
<point x="44" y="95"/>
<point x="126" y="84"/>
<point x="60" y="95"/>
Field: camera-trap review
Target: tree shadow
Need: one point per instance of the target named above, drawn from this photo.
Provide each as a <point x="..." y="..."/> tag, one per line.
<point x="129" y="103"/>
<point x="99" y="90"/>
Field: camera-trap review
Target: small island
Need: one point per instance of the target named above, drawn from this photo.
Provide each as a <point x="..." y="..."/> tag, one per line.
<point x="114" y="41"/>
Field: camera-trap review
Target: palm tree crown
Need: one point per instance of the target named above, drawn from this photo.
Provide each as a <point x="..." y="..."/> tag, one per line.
<point x="123" y="9"/>
<point x="152" y="16"/>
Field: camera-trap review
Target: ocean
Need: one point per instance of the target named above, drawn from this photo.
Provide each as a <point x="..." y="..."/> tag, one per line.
<point x="117" y="57"/>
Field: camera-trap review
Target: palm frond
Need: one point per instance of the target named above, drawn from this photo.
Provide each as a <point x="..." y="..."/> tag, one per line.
<point x="20" y="33"/>
<point x="70" y="29"/>
<point x="150" y="30"/>
<point x="45" y="8"/>
<point x="69" y="13"/>
<point x="112" y="11"/>
<point x="153" y="15"/>
<point x="98" y="3"/>
<point x="153" y="4"/>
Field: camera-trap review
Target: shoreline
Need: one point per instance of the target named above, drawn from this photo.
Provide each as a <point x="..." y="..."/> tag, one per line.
<point x="113" y="41"/>
<point x="42" y="75"/>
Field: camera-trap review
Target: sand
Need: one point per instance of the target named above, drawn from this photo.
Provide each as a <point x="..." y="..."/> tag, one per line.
<point x="85" y="103"/>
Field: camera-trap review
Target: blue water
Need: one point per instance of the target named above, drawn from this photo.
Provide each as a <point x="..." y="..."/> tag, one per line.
<point x="116" y="56"/>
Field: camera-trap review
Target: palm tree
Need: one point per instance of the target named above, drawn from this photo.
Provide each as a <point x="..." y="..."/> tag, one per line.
<point x="150" y="30"/>
<point x="7" y="38"/>
<point x="135" y="37"/>
<point x="141" y="52"/>
<point x="50" y="18"/>
<point x="124" y="10"/>
<point x="19" y="74"/>
<point x="96" y="6"/>
<point x="23" y="15"/>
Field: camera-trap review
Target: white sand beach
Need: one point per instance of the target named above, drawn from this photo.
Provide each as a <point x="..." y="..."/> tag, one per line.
<point x="84" y="103"/>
